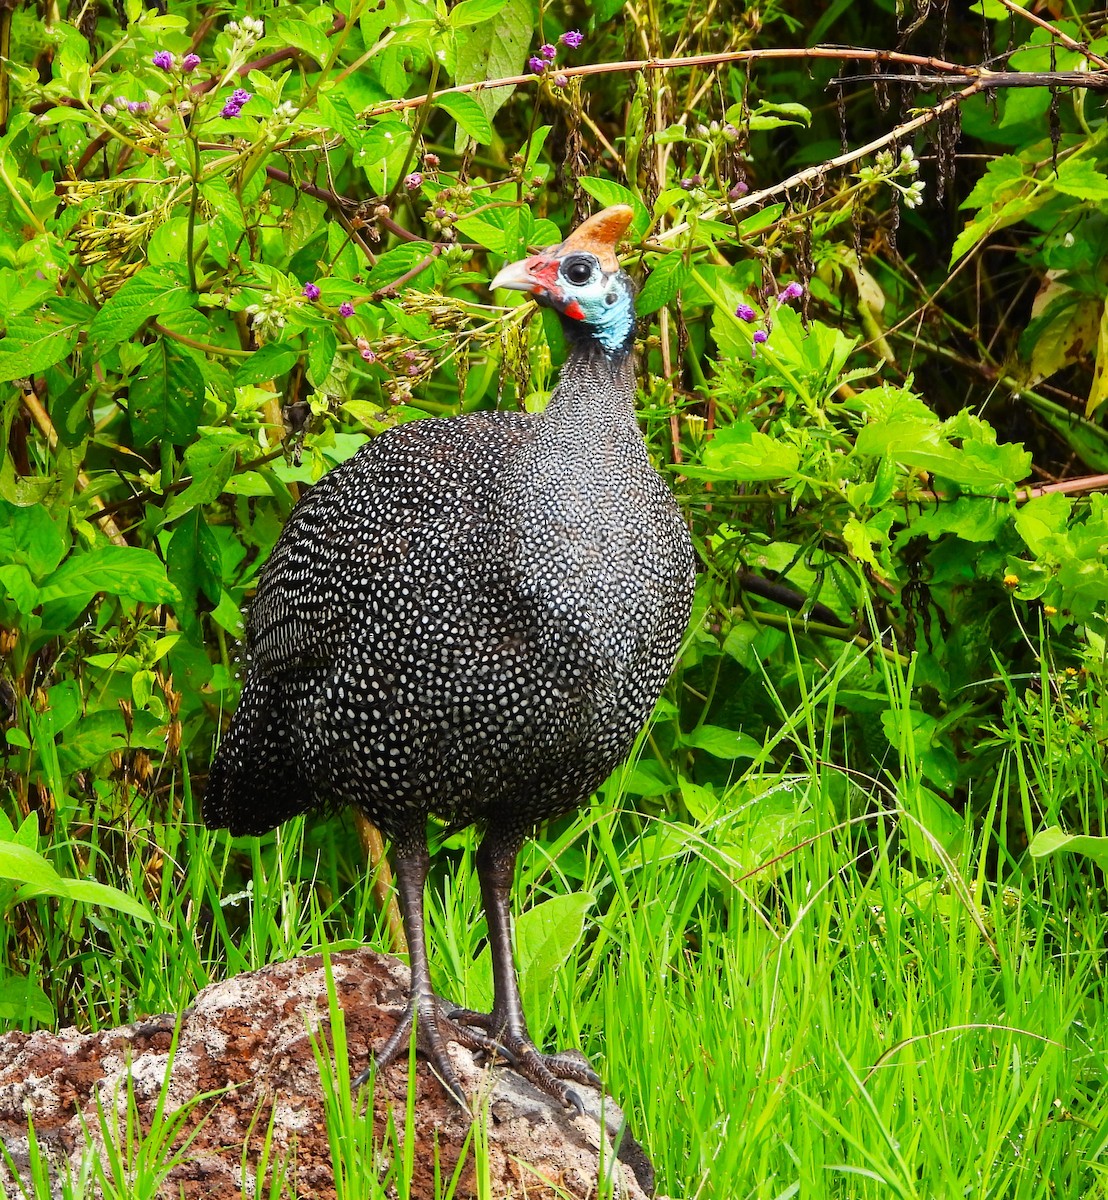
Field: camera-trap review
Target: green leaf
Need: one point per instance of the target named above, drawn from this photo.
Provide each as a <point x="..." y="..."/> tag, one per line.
<point x="193" y="564"/>
<point x="494" y="50"/>
<point x="468" y="113"/>
<point x="321" y="357"/>
<point x="35" y="341"/>
<point x="24" y="865"/>
<point x="921" y="445"/>
<point x="21" y="1000"/>
<point x="152" y="292"/>
<point x="721" y="742"/>
<point x="473" y="12"/>
<point x="1052" y="840"/>
<point x="308" y="38"/>
<point x="609" y="192"/>
<point x="208" y="480"/>
<point x="546" y="936"/>
<point x="394" y="263"/>
<point x="30" y="536"/>
<point x="117" y="570"/>
<point x="742" y="452"/>
<point x="268" y="363"/>
<point x="101" y="895"/>
<point x="166" y="396"/>
<point x="666" y="279"/>
<point x="1078" y="177"/>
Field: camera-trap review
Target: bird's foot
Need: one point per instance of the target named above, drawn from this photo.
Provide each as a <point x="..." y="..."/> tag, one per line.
<point x="435" y="1026"/>
<point x="547" y="1072"/>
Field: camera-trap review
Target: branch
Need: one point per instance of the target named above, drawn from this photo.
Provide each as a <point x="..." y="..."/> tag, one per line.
<point x="946" y="71"/>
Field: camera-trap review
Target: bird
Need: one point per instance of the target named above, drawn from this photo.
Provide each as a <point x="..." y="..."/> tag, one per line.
<point x="471" y="619"/>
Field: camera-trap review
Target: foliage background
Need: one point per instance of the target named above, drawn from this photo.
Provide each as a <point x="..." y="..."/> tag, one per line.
<point x="207" y="303"/>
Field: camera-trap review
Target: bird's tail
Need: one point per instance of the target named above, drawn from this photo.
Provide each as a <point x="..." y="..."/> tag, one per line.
<point x="255" y="781"/>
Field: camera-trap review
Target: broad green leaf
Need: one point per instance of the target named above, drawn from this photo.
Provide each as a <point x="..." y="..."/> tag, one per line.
<point x="721" y="742"/>
<point x="742" y="452"/>
<point x="1078" y="177"/>
<point x="473" y="12"/>
<point x="471" y="117"/>
<point x="151" y="293"/>
<point x="35" y="341"/>
<point x="22" y="1000"/>
<point x="22" y="865"/>
<point x="495" y="50"/>
<point x="30" y="536"/>
<point x="608" y="193"/>
<point x="306" y="37"/>
<point x="665" y="281"/>
<point x="1051" y="840"/>
<point x="268" y="363"/>
<point x="321" y="357"/>
<point x="117" y="570"/>
<point x="102" y="895"/>
<point x="921" y="445"/>
<point x="166" y="396"/>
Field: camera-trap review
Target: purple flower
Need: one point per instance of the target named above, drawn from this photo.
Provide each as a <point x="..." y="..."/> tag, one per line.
<point x="189" y="63"/>
<point x="138" y="106"/>
<point x="233" y="107"/>
<point x="760" y="336"/>
<point x="164" y="60"/>
<point x="572" y="38"/>
<point x="548" y="51"/>
<point x="560" y="80"/>
<point x="413" y="182"/>
<point x="368" y="355"/>
<point x="740" y="189"/>
<point x="537" y="65"/>
<point x="793" y="292"/>
<point x="745" y="313"/>
<point x="311" y="290"/>
<point x="346" y="309"/>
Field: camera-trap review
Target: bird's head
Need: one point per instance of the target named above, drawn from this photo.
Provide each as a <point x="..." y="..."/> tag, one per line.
<point x="581" y="280"/>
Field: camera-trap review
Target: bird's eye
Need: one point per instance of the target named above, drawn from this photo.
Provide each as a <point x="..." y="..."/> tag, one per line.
<point x="577" y="271"/>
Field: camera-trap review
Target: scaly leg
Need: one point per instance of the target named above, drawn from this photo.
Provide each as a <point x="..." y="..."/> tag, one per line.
<point x="425" y="1010"/>
<point x="505" y="1025"/>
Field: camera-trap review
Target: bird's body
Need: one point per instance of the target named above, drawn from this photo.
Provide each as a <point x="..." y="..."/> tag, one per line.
<point x="471" y="618"/>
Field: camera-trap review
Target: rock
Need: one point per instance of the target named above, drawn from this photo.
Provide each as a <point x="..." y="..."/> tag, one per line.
<point x="249" y="1041"/>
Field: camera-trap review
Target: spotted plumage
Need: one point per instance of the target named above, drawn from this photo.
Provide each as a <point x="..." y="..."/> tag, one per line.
<point x="471" y="618"/>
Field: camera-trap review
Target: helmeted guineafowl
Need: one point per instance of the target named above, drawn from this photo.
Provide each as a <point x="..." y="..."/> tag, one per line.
<point x="472" y="618"/>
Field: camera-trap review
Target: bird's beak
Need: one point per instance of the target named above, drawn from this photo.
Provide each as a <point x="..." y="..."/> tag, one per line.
<point x="516" y="277"/>
<point x="537" y="275"/>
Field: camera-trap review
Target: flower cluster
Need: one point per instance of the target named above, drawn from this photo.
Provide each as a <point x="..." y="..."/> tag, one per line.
<point x="134" y="107"/>
<point x="888" y="170"/>
<point x="414" y="181"/>
<point x="311" y="291"/>
<point x="165" y="61"/>
<point x="233" y="107"/>
<point x="365" y="351"/>
<point x="266" y="319"/>
<point x="245" y="32"/>
<point x="791" y="291"/>
<point x="548" y="52"/>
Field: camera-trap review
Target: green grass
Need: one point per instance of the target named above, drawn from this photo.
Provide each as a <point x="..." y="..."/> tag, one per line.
<point x="797" y="994"/>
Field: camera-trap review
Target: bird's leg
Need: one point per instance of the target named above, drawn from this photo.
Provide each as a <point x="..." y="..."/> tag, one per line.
<point x="425" y="1010"/>
<point x="506" y="1025"/>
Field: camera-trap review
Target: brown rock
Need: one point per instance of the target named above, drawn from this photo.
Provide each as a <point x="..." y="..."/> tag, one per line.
<point x="249" y="1041"/>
